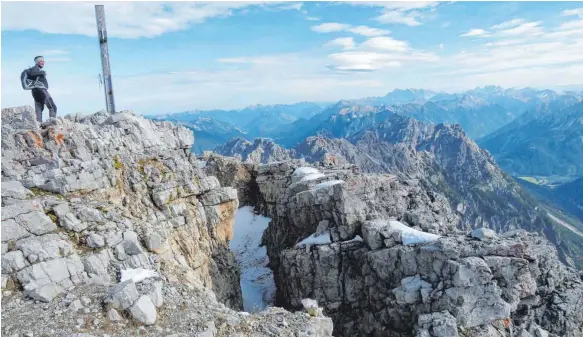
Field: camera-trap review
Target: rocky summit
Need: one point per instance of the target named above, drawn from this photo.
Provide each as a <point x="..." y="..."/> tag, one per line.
<point x="112" y="227"/>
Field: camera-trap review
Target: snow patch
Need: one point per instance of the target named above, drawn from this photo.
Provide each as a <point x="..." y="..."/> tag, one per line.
<point x="321" y="239"/>
<point x="328" y="183"/>
<point x="137" y="275"/>
<point x="355" y="239"/>
<point x="411" y="236"/>
<point x="257" y="282"/>
<point x="312" y="176"/>
<point x="304" y="171"/>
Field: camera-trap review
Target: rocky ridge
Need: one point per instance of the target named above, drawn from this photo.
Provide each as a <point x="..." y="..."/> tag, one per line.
<point x="444" y="160"/>
<point x="108" y="220"/>
<point x="383" y="257"/>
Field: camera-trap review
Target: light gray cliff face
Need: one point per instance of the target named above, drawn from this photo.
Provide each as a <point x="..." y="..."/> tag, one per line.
<point x="333" y="237"/>
<point x="85" y="199"/>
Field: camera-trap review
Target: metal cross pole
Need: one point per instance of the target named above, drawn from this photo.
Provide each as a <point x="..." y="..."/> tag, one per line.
<point x="102" y="32"/>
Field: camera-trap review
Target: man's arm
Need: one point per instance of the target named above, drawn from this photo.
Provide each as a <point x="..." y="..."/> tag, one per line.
<point x="36" y="71"/>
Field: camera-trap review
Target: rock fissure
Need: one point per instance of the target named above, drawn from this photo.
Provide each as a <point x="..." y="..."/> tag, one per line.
<point x="465" y="282"/>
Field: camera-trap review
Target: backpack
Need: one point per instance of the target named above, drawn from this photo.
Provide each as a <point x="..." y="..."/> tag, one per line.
<point x="26" y="81"/>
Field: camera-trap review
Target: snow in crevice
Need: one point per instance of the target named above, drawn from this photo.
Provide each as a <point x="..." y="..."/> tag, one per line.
<point x="257" y="284"/>
<point x="355" y="239"/>
<point x="304" y="171"/>
<point x="312" y="176"/>
<point x="328" y="184"/>
<point x="320" y="239"/>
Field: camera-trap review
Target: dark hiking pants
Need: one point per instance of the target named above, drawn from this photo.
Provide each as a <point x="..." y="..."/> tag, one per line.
<point x="42" y="98"/>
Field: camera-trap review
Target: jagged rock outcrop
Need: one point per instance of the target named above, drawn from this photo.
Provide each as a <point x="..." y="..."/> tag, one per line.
<point x="383" y="258"/>
<point x="89" y="201"/>
<point x="125" y="189"/>
<point x="232" y="172"/>
<point x="444" y="160"/>
<point x="260" y="151"/>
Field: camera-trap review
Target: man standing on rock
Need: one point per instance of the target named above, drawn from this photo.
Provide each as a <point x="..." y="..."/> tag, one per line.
<point x="40" y="91"/>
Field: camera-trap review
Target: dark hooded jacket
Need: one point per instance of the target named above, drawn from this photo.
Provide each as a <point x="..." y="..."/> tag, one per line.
<point x="37" y="73"/>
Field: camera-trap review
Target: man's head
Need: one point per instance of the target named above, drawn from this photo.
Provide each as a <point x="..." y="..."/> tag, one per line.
<point x="40" y="61"/>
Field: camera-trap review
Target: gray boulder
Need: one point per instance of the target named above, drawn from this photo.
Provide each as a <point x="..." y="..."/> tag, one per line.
<point x="144" y="311"/>
<point x="484" y="234"/>
<point x="123" y="295"/>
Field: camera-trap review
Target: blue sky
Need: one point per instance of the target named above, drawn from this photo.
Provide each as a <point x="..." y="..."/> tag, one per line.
<point x="168" y="57"/>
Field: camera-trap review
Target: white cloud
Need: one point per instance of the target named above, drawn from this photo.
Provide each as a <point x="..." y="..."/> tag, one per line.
<point x="392" y="16"/>
<point x="508" y="24"/>
<point x="476" y="32"/>
<point x="378" y="54"/>
<point x="518" y="56"/>
<point x="124" y="19"/>
<point x="441" y="46"/>
<point x="525" y="29"/>
<point x="508" y="42"/>
<point x="409" y="13"/>
<point x="400" y="12"/>
<point x="233" y="60"/>
<point x="408" y="5"/>
<point x="312" y="18"/>
<point x="515" y="46"/>
<point x="385" y="43"/>
<point x="344" y="42"/>
<point x="445" y="24"/>
<point x="258" y="60"/>
<point x="510" y="28"/>
<point x="574" y="12"/>
<point x="362" y="61"/>
<point x="368" y="31"/>
<point x="295" y="6"/>
<point x="330" y="27"/>
<point x="569" y="29"/>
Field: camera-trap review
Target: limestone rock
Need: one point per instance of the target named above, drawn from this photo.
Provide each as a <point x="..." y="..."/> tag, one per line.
<point x="45" y="293"/>
<point x="144" y="311"/>
<point x="123" y="295"/>
<point x="15" y="190"/>
<point x="484" y="234"/>
<point x="437" y="324"/>
<point x="113" y="315"/>
<point x="95" y="241"/>
<point x="311" y="307"/>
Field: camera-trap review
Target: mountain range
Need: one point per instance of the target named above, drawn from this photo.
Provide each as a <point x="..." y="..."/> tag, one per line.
<point x="216" y="126"/>
<point x="477" y="148"/>
<point x="546" y="141"/>
<point x="480" y="112"/>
